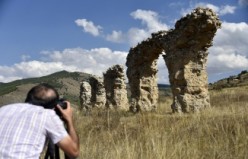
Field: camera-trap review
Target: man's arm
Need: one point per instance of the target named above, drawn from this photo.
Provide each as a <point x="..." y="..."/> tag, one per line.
<point x="70" y="144"/>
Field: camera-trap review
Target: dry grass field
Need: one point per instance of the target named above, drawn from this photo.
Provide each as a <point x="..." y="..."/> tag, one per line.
<point x="219" y="132"/>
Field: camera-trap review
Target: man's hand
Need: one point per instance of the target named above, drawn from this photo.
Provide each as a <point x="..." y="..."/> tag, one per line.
<point x="70" y="144"/>
<point x="66" y="113"/>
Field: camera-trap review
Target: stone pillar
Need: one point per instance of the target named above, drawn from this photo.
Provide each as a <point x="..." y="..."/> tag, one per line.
<point x="186" y="56"/>
<point x="98" y="94"/>
<point x="115" y="86"/>
<point x="85" y="96"/>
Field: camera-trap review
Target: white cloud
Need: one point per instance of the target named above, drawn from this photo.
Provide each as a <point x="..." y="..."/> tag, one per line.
<point x="221" y="10"/>
<point x="136" y="35"/>
<point x="94" y="61"/>
<point x="230" y="49"/>
<point x="227" y="10"/>
<point x="208" y="5"/>
<point x="97" y="60"/>
<point x="31" y="69"/>
<point x="89" y="26"/>
<point x="116" y="36"/>
<point x="243" y="2"/>
<point x="150" y="21"/>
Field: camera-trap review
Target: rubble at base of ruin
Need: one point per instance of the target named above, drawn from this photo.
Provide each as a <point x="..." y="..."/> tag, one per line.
<point x="115" y="86"/>
<point x="185" y="56"/>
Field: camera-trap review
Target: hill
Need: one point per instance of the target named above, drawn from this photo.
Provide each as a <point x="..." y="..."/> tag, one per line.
<point x="67" y="83"/>
<point x="233" y="81"/>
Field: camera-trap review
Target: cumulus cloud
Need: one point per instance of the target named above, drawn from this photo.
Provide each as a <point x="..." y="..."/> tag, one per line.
<point x="31" y="69"/>
<point x="149" y="19"/>
<point x="230" y="49"/>
<point x="221" y="10"/>
<point x="94" y="61"/>
<point x="89" y="26"/>
<point x="227" y="9"/>
<point x="116" y="36"/>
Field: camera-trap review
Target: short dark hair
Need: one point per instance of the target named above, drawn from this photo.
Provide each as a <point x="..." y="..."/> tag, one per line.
<point x="37" y="96"/>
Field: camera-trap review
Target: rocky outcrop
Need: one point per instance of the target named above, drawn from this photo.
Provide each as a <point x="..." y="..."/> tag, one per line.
<point x="116" y="92"/>
<point x="186" y="53"/>
<point x="85" y="95"/>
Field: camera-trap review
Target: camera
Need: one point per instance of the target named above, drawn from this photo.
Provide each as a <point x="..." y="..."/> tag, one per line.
<point x="62" y="104"/>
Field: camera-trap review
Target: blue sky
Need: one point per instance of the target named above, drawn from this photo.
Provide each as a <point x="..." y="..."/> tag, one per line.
<point x="41" y="37"/>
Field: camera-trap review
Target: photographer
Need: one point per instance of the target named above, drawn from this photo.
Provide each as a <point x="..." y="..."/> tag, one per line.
<point x="24" y="127"/>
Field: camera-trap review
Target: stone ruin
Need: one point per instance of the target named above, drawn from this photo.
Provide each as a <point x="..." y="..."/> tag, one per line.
<point x="98" y="98"/>
<point x="92" y="93"/>
<point x="185" y="49"/>
<point x="85" y="95"/>
<point x="115" y="86"/>
<point x="109" y="92"/>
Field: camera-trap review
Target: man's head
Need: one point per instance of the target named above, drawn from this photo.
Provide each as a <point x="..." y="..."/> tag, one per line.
<point x="43" y="95"/>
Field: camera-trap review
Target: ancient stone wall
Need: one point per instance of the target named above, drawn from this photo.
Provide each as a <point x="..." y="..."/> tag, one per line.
<point x="115" y="86"/>
<point x="185" y="56"/>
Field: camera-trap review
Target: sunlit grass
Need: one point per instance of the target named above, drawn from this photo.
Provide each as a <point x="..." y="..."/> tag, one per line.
<point x="217" y="132"/>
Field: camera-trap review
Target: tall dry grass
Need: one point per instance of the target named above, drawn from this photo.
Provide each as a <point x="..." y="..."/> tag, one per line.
<point x="219" y="132"/>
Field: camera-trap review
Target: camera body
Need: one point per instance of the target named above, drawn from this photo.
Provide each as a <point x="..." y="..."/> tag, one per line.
<point x="62" y="104"/>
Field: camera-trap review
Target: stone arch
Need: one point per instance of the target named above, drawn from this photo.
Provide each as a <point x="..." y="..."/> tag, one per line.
<point x="186" y="55"/>
<point x="141" y="72"/>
